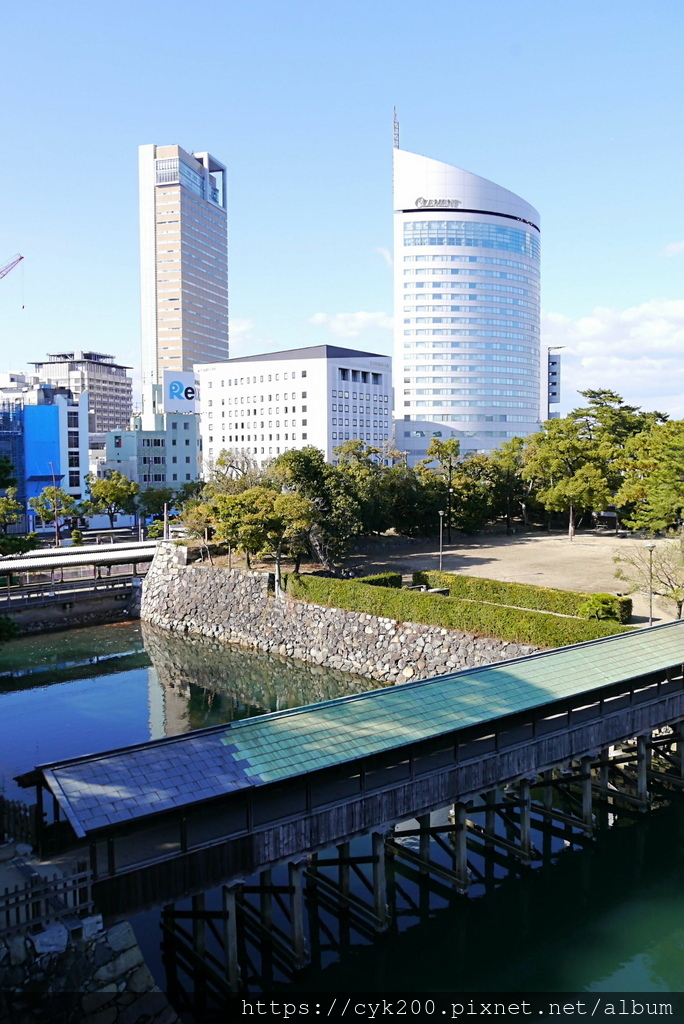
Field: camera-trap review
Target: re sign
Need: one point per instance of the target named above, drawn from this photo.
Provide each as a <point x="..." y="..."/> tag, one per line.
<point x="176" y="390"/>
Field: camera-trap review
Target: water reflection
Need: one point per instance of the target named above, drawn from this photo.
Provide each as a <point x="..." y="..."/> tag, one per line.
<point x="196" y="682"/>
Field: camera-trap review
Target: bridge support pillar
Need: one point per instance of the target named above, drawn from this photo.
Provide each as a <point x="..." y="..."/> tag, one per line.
<point x="643" y="766"/>
<point x="604" y="770"/>
<point x="380" y="882"/>
<point x="525" y="834"/>
<point x="491" y="799"/>
<point x="296" y="872"/>
<point x="424" y="840"/>
<point x="266" y="899"/>
<point x="461" y="845"/>
<point x="587" y="809"/>
<point x="198" y="926"/>
<point x="547" y="798"/>
<point x="343" y="851"/>
<point x="230" y="937"/>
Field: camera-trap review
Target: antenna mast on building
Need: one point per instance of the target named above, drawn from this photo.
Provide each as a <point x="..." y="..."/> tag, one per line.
<point x="396" y="130"/>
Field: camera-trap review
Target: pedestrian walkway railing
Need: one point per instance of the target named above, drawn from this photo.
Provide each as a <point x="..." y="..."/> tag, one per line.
<point x="42" y="901"/>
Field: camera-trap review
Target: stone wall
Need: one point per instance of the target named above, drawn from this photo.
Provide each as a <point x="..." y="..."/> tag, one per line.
<point x="99" y="978"/>
<point x="240" y="607"/>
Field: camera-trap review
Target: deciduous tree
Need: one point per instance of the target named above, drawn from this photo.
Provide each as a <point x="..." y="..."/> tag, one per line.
<point x="111" y="495"/>
<point x="663" y="573"/>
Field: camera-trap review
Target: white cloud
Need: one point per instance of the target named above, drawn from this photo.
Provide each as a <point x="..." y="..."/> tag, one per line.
<point x="245" y="339"/>
<point x="386" y="255"/>
<point x="638" y="352"/>
<point x="674" y="248"/>
<point x="350" y="325"/>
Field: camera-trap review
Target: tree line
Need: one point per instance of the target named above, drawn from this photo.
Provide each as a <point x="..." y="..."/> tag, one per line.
<point x="603" y="455"/>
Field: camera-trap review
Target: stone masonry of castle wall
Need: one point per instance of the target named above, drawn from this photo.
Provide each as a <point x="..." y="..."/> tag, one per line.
<point x="240" y="607"/>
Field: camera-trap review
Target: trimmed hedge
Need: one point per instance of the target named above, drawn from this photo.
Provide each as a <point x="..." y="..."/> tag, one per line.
<point x="510" y="624"/>
<point x="383" y="579"/>
<point x="522" y="595"/>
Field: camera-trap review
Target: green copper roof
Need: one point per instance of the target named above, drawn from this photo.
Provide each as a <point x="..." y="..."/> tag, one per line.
<point x="277" y="746"/>
<point x="114" y="787"/>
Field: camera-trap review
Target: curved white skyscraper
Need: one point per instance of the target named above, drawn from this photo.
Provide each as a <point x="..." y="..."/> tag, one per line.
<point x="466" y="288"/>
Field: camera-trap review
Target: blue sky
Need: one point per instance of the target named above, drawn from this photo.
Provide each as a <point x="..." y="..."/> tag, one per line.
<point x="576" y="106"/>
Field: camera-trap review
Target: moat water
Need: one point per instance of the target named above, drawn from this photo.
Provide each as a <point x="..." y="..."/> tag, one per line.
<point x="609" y="917"/>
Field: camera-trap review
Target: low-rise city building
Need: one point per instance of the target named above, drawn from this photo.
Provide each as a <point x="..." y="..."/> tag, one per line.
<point x="107" y="383"/>
<point x="44" y="434"/>
<point x="162" y="447"/>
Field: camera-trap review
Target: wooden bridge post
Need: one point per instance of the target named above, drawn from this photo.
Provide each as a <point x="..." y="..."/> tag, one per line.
<point x="379" y="881"/>
<point x="424" y="841"/>
<point x="230" y="939"/>
<point x="547" y="797"/>
<point x="643" y="765"/>
<point x="461" y="845"/>
<point x="490" y="815"/>
<point x="266" y="899"/>
<point x="198" y="926"/>
<point x="525" y="833"/>
<point x="587" y="808"/>
<point x="296" y="872"/>
<point x="343" y="870"/>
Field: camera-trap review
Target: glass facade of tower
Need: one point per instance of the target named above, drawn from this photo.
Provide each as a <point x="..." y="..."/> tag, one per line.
<point x="184" y="260"/>
<point x="466" y="361"/>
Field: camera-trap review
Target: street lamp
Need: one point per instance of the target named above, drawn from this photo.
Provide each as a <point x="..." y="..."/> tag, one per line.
<point x="449" y="501"/>
<point x="441" y="537"/>
<point x="650" y="547"/>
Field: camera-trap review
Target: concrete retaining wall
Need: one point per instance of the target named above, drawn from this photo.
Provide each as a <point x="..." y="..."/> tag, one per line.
<point x="74" y="608"/>
<point x="240" y="607"/>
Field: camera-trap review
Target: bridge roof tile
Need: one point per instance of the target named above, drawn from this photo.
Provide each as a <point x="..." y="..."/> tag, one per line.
<point x="117" y="786"/>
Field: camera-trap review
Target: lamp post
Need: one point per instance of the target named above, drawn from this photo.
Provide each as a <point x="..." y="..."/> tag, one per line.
<point x="56" y="505"/>
<point x="450" y="493"/>
<point x="441" y="537"/>
<point x="650" y="547"/>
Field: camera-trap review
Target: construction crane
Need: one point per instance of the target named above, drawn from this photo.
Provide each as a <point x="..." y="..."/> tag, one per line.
<point x="10" y="265"/>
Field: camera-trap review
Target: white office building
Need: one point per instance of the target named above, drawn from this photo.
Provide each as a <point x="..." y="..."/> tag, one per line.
<point x="466" y="287"/>
<point x="266" y="404"/>
<point x="183" y="260"/>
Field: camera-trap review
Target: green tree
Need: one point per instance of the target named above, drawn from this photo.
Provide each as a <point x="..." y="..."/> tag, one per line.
<point x="653" y="477"/>
<point x="11" y="510"/>
<point x="360" y="465"/>
<point x="198" y="521"/>
<point x="473" y="484"/>
<point x="111" y="495"/>
<point x="232" y="472"/>
<point x="447" y="455"/>
<point x="55" y="504"/>
<point x="663" y="572"/>
<point x="152" y="500"/>
<point x="568" y="468"/>
<point x="514" y="495"/>
<point x="7" y="477"/>
<point x="339" y="516"/>
<point x="263" y="520"/>
<point x="414" y="500"/>
<point x="11" y="544"/>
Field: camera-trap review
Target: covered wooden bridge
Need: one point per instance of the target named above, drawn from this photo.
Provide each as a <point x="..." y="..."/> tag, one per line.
<point x="219" y="804"/>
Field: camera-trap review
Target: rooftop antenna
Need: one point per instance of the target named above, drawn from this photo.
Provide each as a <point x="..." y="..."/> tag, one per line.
<point x="396" y="130"/>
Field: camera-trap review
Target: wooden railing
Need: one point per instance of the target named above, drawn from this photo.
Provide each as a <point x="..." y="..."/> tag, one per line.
<point x="17" y="821"/>
<point x="44" y="900"/>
